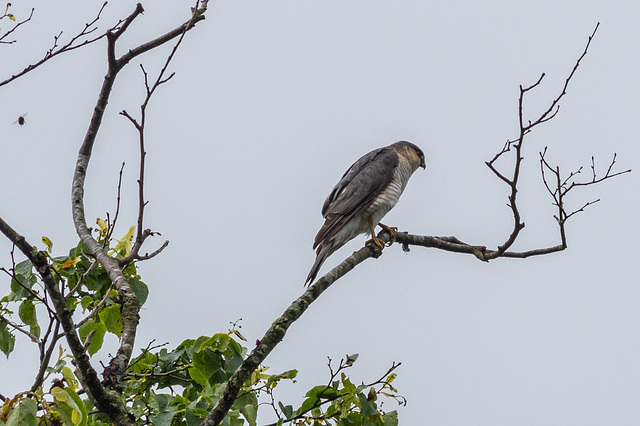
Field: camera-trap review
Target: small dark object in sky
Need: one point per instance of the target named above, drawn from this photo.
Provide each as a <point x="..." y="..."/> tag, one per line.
<point x="21" y="121"/>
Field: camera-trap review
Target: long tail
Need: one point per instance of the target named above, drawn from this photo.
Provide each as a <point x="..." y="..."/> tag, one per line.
<point x="323" y="252"/>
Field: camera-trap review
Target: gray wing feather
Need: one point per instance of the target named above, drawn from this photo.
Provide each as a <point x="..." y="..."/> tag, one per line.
<point x="357" y="189"/>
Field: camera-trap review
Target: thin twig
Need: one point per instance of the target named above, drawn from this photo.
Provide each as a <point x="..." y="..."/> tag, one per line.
<point x="15" y="27"/>
<point x="55" y="50"/>
<point x="19" y="328"/>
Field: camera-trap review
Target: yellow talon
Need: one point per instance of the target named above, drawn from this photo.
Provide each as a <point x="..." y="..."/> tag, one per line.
<point x="392" y="230"/>
<point x="376" y="241"/>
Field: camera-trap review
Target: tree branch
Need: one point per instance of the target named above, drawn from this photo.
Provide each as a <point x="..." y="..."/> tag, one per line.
<point x="278" y="329"/>
<point x="45" y="355"/>
<point x="20" y="329"/>
<point x="130" y="305"/>
<point x="517" y="144"/>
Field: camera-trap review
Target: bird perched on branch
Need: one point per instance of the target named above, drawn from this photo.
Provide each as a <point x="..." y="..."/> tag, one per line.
<point x="366" y="192"/>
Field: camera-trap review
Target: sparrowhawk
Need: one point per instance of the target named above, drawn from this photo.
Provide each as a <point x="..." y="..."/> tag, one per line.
<point x="366" y="192"/>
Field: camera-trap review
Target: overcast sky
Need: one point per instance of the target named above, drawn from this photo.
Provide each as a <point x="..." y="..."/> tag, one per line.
<point x="271" y="103"/>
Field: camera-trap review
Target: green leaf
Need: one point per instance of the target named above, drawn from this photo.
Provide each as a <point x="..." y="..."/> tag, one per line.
<point x="351" y="359"/>
<point x="24" y="414"/>
<point x="163" y="419"/>
<point x="140" y="289"/>
<point x="306" y="405"/>
<point x="346" y="383"/>
<point x="24" y="268"/>
<point x="97" y="337"/>
<point x="27" y="313"/>
<point x="275" y="378"/>
<point x="286" y="410"/>
<point x="166" y="411"/>
<point x="111" y="317"/>
<point x="35" y="330"/>
<point x="352" y="419"/>
<point x="250" y="413"/>
<point x="390" y="418"/>
<point x="195" y="417"/>
<point x="366" y="408"/>
<point x="19" y="285"/>
<point x="72" y="410"/>
<point x="86" y="302"/>
<point x="197" y="376"/>
<point x="162" y="401"/>
<point x="98" y="280"/>
<point x="7" y="340"/>
<point x="207" y="363"/>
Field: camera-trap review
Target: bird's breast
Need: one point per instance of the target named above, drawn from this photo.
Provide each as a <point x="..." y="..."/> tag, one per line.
<point x="389" y="196"/>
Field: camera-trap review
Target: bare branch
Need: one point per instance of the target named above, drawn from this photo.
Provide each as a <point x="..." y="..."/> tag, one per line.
<point x="141" y="235"/>
<point x="479" y="251"/>
<point x="148" y="256"/>
<point x="115" y="217"/>
<point x="525" y="127"/>
<point x="45" y="354"/>
<point x="553" y="108"/>
<point x="73" y="44"/>
<point x="563" y="186"/>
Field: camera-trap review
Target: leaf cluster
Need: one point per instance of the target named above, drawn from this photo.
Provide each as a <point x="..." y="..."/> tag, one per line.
<point x="86" y="287"/>
<point x="61" y="405"/>
<point x="342" y="403"/>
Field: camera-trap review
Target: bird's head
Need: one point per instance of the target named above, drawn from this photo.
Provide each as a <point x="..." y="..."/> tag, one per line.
<point x="412" y="152"/>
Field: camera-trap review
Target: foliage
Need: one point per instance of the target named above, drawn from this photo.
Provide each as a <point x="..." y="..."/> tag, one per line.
<point x="162" y="387"/>
<point x="86" y="287"/>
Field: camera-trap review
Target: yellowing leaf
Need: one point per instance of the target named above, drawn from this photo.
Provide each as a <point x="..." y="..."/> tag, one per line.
<point x="240" y="336"/>
<point x="391" y="377"/>
<point x="10" y="16"/>
<point x="69" y="377"/>
<point x="102" y="224"/>
<point x="59" y="394"/>
<point x="69" y="263"/>
<point x="47" y="242"/>
<point x="124" y="243"/>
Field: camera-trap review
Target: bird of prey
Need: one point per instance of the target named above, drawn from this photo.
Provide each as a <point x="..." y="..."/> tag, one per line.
<point x="366" y="192"/>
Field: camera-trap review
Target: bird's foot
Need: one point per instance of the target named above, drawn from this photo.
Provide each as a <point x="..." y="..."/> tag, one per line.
<point x="376" y="242"/>
<point x="392" y="230"/>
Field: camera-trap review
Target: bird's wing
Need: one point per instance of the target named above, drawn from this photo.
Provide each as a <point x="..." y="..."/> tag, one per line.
<point x="357" y="189"/>
<point x="365" y="179"/>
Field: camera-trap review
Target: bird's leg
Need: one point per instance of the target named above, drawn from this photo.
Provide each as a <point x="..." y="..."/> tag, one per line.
<point x="375" y="240"/>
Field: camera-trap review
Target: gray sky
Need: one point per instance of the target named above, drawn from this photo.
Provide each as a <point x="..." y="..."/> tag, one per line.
<point x="271" y="103"/>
